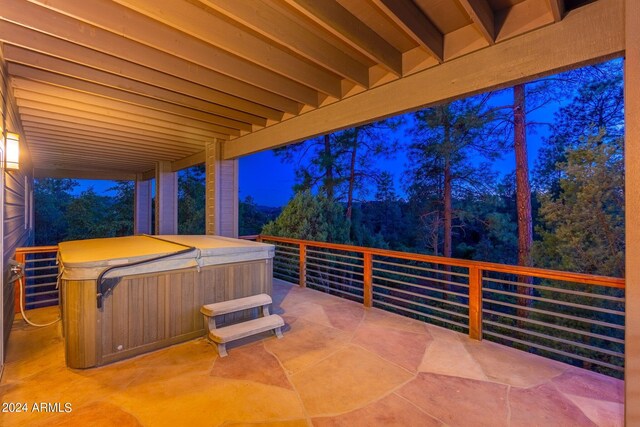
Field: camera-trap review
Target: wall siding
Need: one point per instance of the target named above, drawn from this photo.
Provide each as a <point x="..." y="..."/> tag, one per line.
<point x="16" y="231"/>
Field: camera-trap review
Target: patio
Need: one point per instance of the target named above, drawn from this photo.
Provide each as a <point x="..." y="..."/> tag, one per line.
<point x="338" y="364"/>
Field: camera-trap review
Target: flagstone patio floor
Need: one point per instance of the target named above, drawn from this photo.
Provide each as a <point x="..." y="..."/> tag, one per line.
<point x="338" y="364"/>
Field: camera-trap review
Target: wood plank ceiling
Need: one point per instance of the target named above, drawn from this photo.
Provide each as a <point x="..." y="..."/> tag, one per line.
<point x="116" y="85"/>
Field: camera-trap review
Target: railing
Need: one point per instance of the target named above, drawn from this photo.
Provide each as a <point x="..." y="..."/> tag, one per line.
<point x="576" y="318"/>
<point x="40" y="277"/>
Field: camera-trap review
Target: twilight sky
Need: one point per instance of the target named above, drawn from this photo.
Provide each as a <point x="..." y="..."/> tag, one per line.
<point x="269" y="181"/>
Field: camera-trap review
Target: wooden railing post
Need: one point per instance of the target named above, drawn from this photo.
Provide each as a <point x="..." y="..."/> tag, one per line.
<point x="20" y="257"/>
<point x="367" y="275"/>
<point x="303" y="265"/>
<point x="475" y="303"/>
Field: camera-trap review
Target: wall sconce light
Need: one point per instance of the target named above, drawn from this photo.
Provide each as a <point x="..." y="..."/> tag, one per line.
<point x="12" y="151"/>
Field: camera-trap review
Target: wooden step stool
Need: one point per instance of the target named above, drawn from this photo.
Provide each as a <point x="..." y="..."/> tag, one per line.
<point x="221" y="336"/>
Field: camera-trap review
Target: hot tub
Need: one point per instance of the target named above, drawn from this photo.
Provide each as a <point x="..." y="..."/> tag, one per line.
<point x="125" y="296"/>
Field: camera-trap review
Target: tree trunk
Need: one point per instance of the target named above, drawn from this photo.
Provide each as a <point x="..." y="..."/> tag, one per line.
<point x="352" y="174"/>
<point x="328" y="165"/>
<point x="523" y="194"/>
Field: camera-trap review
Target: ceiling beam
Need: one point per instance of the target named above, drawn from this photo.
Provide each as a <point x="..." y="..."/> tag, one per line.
<point x="109" y="151"/>
<point x="47" y="125"/>
<point x="204" y="24"/>
<point x="88" y="92"/>
<point x="341" y="23"/>
<point x="189" y="161"/>
<point x="111" y="175"/>
<point x="85" y="110"/>
<point x="416" y="24"/>
<point x="87" y="102"/>
<point x="84" y="35"/>
<point x="69" y="55"/>
<point x="71" y="160"/>
<point x="269" y="20"/>
<point x="482" y="17"/>
<point x="557" y="9"/>
<point x="62" y="137"/>
<point x="135" y="26"/>
<point x="144" y="95"/>
<point x="168" y="131"/>
<point x="104" y="126"/>
<point x="596" y="32"/>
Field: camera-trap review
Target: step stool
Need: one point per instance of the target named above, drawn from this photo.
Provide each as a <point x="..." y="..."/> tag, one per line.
<point x="221" y="336"/>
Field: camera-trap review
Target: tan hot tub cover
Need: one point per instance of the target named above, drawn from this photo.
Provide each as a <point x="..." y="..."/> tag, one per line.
<point x="86" y="259"/>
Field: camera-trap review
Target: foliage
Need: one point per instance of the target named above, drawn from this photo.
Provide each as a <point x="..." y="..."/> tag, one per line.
<point x="122" y="208"/>
<point x="489" y="230"/>
<point x="582" y="228"/>
<point x="310" y="217"/>
<point x="253" y="217"/>
<point x="60" y="215"/>
<point x="51" y="199"/>
<point x="89" y="216"/>
<point x="596" y="110"/>
<point x="191" y="200"/>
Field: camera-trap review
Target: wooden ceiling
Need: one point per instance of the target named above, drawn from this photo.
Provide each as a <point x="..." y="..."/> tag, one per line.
<point x="116" y="85"/>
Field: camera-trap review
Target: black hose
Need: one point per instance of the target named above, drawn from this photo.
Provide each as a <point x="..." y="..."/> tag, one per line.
<point x="102" y="292"/>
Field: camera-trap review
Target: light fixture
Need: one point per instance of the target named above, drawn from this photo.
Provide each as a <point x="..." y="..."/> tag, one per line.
<point x="12" y="151"/>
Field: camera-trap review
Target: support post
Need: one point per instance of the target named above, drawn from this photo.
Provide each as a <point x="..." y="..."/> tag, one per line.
<point x="142" y="206"/>
<point x="221" y="192"/>
<point x="166" y="199"/>
<point x="303" y="266"/>
<point x="475" y="303"/>
<point x="367" y="278"/>
<point x="632" y="212"/>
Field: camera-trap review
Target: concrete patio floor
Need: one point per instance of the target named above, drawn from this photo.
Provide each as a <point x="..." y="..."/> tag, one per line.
<point x="337" y="365"/>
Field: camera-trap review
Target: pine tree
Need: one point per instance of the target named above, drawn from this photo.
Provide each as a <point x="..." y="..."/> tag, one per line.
<point x="191" y="200"/>
<point x="443" y="141"/>
<point x="582" y="228"/>
<point x="122" y="209"/>
<point x="596" y="110"/>
<point x="51" y="199"/>
<point x="341" y="165"/>
<point x="310" y="217"/>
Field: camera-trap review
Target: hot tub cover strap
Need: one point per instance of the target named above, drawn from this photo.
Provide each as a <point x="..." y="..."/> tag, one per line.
<point x="106" y="284"/>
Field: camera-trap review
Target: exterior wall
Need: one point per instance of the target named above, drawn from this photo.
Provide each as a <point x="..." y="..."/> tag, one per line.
<point x="17" y="209"/>
<point x="221" y="193"/>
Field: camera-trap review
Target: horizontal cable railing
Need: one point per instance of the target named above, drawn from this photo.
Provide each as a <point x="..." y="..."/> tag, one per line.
<point x="572" y="317"/>
<point x="40" y="277"/>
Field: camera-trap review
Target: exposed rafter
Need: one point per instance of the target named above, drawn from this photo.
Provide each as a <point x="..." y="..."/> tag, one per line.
<point x="557" y="9"/>
<point x="482" y="16"/>
<point x="410" y="18"/>
<point x="267" y="19"/>
<point x="199" y="22"/>
<point x="337" y="20"/>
